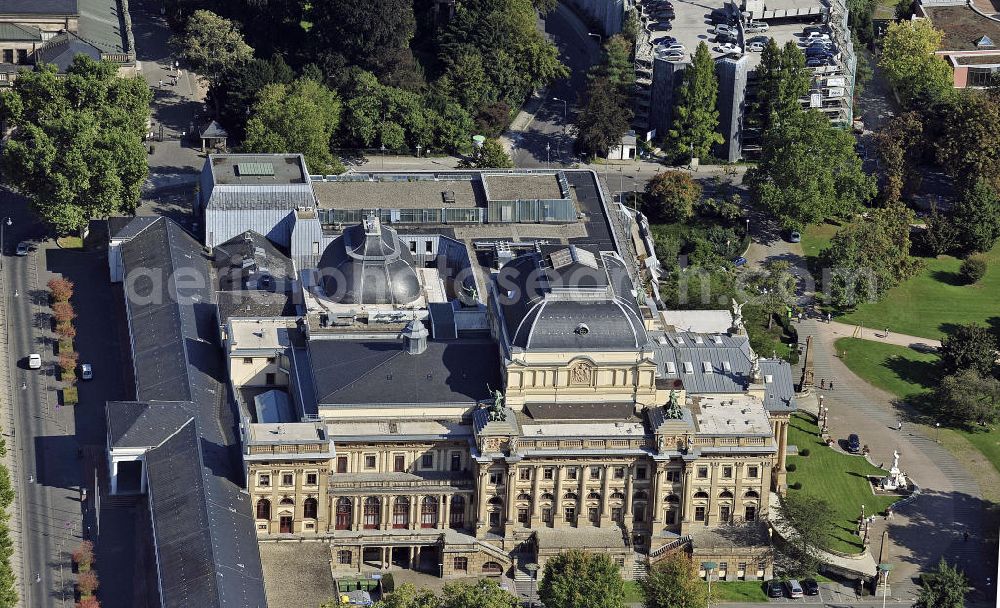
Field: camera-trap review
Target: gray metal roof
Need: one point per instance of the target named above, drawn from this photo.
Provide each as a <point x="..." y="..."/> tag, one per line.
<point x="369" y="264"/>
<point x="136" y="424"/>
<point x="251" y="198"/>
<point x="127" y="227"/>
<point x="252" y="261"/>
<point x="13" y="32"/>
<point x="374" y="372"/>
<point x="61" y="49"/>
<point x="213" y="130"/>
<point x="581" y="411"/>
<point x="38" y="7"/>
<point x="780" y="393"/>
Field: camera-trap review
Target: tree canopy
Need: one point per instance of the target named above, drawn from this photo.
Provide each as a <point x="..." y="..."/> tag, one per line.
<point x="671" y="196"/>
<point x="812" y="519"/>
<point x="674" y="583"/>
<point x="461" y="594"/>
<point x="899" y="144"/>
<point x="968" y="347"/>
<point x="491" y="156"/>
<point x="967" y="143"/>
<point x="606" y="113"/>
<point x="946" y="587"/>
<point x="976" y="217"/>
<point x="696" y="115"/>
<point x="782" y="79"/>
<point x="575" y="579"/>
<point x="300" y="117"/>
<point x="76" y="149"/>
<point x="968" y="398"/>
<point x="212" y="44"/>
<point x="910" y="64"/>
<point x="375" y="37"/>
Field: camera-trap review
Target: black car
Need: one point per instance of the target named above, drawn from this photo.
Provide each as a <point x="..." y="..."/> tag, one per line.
<point x="774" y="588"/>
<point x="853" y="444"/>
<point x="810" y="587"/>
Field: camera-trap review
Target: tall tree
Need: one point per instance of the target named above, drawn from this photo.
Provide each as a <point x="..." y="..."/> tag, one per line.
<point x="212" y="44"/>
<point x="976" y="217"/>
<point x="670" y="196"/>
<point x="406" y="596"/>
<point x="968" y="398"/>
<point x="696" y="116"/>
<point x="967" y="143"/>
<point x="968" y="347"/>
<point x="76" y="148"/>
<point x="478" y="594"/>
<point x="603" y="119"/>
<point x="808" y="171"/>
<point x="575" y="579"/>
<point x="898" y="145"/>
<point x="782" y="79"/>
<point x="909" y="61"/>
<point x="674" y="583"/>
<point x="870" y="256"/>
<point x="235" y="91"/>
<point x="491" y="155"/>
<point x="812" y="520"/>
<point x="374" y="38"/>
<point x="945" y="588"/>
<point x="301" y="117"/>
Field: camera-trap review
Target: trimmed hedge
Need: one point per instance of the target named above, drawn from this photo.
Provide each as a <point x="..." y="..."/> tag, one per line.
<point x="70" y="395"/>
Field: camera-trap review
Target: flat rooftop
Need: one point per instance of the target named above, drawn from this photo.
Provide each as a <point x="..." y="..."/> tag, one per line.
<point x="735" y="414"/>
<point x="286" y="432"/>
<point x="258" y="169"/>
<point x="506" y="187"/>
<point x="254" y="334"/>
<point x="586" y="429"/>
<point x="962" y="27"/>
<point x="399" y="194"/>
<point x="341" y="430"/>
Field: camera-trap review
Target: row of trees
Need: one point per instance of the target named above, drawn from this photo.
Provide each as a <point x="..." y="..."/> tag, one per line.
<point x="86" y="577"/>
<point x="968" y="393"/>
<point x="76" y="142"/>
<point x="606" y="106"/>
<point x="8" y="592"/>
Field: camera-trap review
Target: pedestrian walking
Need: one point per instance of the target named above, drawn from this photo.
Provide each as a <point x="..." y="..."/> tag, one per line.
<point x="828" y="317"/>
<point x="887" y="333"/>
<point x="889" y="513"/>
<point x="822" y="382"/>
<point x="161" y="83"/>
<point x="965" y="536"/>
<point x="899" y="425"/>
<point x="831" y="385"/>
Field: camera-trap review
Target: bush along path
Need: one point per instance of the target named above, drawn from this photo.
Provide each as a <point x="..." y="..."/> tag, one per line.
<point x="60" y="292"/>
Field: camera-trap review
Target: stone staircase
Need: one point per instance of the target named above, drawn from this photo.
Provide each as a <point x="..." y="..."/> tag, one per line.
<point x="640" y="566"/>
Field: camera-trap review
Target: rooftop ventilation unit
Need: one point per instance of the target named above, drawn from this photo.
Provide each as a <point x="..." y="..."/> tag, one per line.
<point x="448" y="196"/>
<point x="717" y="339"/>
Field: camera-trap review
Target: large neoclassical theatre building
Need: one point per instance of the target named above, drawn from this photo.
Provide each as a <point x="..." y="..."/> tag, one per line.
<point x="462" y="373"/>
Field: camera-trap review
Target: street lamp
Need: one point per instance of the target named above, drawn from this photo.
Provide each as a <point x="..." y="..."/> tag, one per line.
<point x="532" y="568"/>
<point x="419" y="147"/>
<point x="937" y="432"/>
<point x="383" y="157"/>
<point x="600" y="39"/>
<point x="548" y="157"/>
<point x="709" y="567"/>
<point x="3" y="225"/>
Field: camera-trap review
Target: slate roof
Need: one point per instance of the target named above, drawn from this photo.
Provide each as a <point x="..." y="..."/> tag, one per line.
<point x="38" y="7"/>
<point x="14" y="32"/>
<point x="249" y="256"/>
<point x="569" y="298"/>
<point x="214" y="130"/>
<point x="251" y="198"/>
<point x="128" y="227"/>
<point x="63" y="47"/>
<point x="373" y="372"/>
<point x="580" y="411"/>
<point x="136" y="424"/>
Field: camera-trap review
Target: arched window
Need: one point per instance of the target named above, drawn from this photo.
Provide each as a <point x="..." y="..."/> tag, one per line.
<point x="456" y="516"/>
<point x="570" y="496"/>
<point x="548" y="496"/>
<point x="593" y="496"/>
<point x="373" y="513"/>
<point x="287" y="502"/>
<point x="345" y="513"/>
<point x="725" y="494"/>
<point x="263" y="509"/>
<point x="309" y="508"/>
<point x="492" y="569"/>
<point x="640" y="495"/>
<point x="617" y="496"/>
<point x="751" y="494"/>
<point x="701" y="494"/>
<point x="429" y="512"/>
<point x="673" y="499"/>
<point x="401" y="512"/>
<point x="524" y="497"/>
<point x="496" y="501"/>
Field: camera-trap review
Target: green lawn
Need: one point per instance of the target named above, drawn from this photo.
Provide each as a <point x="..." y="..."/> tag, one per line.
<point x="816" y="238"/>
<point x="735" y="591"/>
<point x="837" y="478"/>
<point x="633" y="594"/>
<point x="905" y="372"/>
<point x="927" y="303"/>
<point x="896" y="369"/>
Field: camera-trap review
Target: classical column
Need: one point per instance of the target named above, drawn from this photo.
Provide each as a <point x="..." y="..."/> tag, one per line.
<point x="581" y="499"/>
<point x="779" y="480"/>
<point x="481" y="496"/>
<point x="386" y="512"/>
<point x="511" y="476"/>
<point x="415" y="506"/>
<point x="557" y="503"/>
<point x="606" y="495"/>
<point x="686" y="496"/>
<point x="627" y="517"/>
<point x="782" y="445"/>
<point x="356" y="506"/>
<point x="535" y="496"/>
<point x="657" y="502"/>
<point x="443" y="511"/>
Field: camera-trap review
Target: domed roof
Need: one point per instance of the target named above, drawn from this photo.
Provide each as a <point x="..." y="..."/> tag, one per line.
<point x="369" y="264"/>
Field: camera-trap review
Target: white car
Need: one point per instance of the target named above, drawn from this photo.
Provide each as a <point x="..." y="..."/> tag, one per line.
<point x="814" y="36"/>
<point x="86" y="372"/>
<point x="756" y="27"/>
<point x="23" y="248"/>
<point x="755" y="46"/>
<point x="729" y="30"/>
<point x="34" y="361"/>
<point x="673" y="48"/>
<point x="730" y="49"/>
<point x="674" y="56"/>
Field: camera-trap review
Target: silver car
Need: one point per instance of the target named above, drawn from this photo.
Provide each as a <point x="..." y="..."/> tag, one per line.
<point x="23" y="248"/>
<point x="729" y="30"/>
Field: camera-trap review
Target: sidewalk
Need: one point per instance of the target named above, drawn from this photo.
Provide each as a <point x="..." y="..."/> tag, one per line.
<point x="9" y="460"/>
<point x="836" y="329"/>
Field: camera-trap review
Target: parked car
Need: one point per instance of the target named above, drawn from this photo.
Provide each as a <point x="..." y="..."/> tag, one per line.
<point x="774" y="588"/>
<point x="811" y="36"/>
<point x="794" y="237"/>
<point x="722" y="28"/>
<point x="815" y="62"/>
<point x="794" y="589"/>
<point x="755" y="47"/>
<point x="23" y="248"/>
<point x="756" y="27"/>
<point x="86" y="371"/>
<point x="666" y="40"/>
<point x="730" y="48"/>
<point x="34" y="361"/>
<point x="726" y="38"/>
<point x="853" y="443"/>
<point x="674" y="47"/>
<point x="812" y="28"/>
<point x="740" y="261"/>
<point x="815" y="51"/>
<point x="810" y="587"/>
<point x="673" y="56"/>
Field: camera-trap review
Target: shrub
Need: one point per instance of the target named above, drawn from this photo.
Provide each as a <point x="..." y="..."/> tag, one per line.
<point x="61" y="289"/>
<point x="83" y="555"/>
<point x="88" y="602"/>
<point x="87" y="583"/>
<point x="790" y="467"/>
<point x="63" y="311"/>
<point x="796" y="486"/>
<point x="65" y="346"/>
<point x="804" y="452"/>
<point x="70" y="395"/>
<point x="65" y="330"/>
<point x="972" y="270"/>
<point x="67" y="361"/>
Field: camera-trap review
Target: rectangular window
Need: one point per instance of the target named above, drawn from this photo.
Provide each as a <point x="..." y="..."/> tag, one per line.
<point x="247" y="360"/>
<point x="495" y="519"/>
<point x="724" y="513"/>
<point x="727" y="472"/>
<point x="619" y="472"/>
<point x="640" y="472"/>
<point x="571" y="473"/>
<point x="456" y="461"/>
<point x="496" y="478"/>
<point x="8" y="55"/>
<point x="673" y="476"/>
<point x="723" y="566"/>
<point x="341" y="464"/>
<point x="399" y="463"/>
<point x="429" y="246"/>
<point x="22" y="56"/>
<point x="369" y="461"/>
<point x="522" y="516"/>
<point x="287" y="479"/>
<point x="751" y="513"/>
<point x="524" y="474"/>
<point x="547" y="474"/>
<point x="461" y="564"/>
<point x="640" y="513"/>
<point x="270" y="379"/>
<point x="752" y="471"/>
<point x="315" y="248"/>
<point x="427" y="461"/>
<point x="547" y="515"/>
<point x="343" y="557"/>
<point x="702" y="472"/>
<point x="699" y="513"/>
<point x="594" y="515"/>
<point x="570" y="515"/>
<point x="616" y="514"/>
<point x="264" y="480"/>
<point x="311" y="479"/>
<point x="595" y="472"/>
